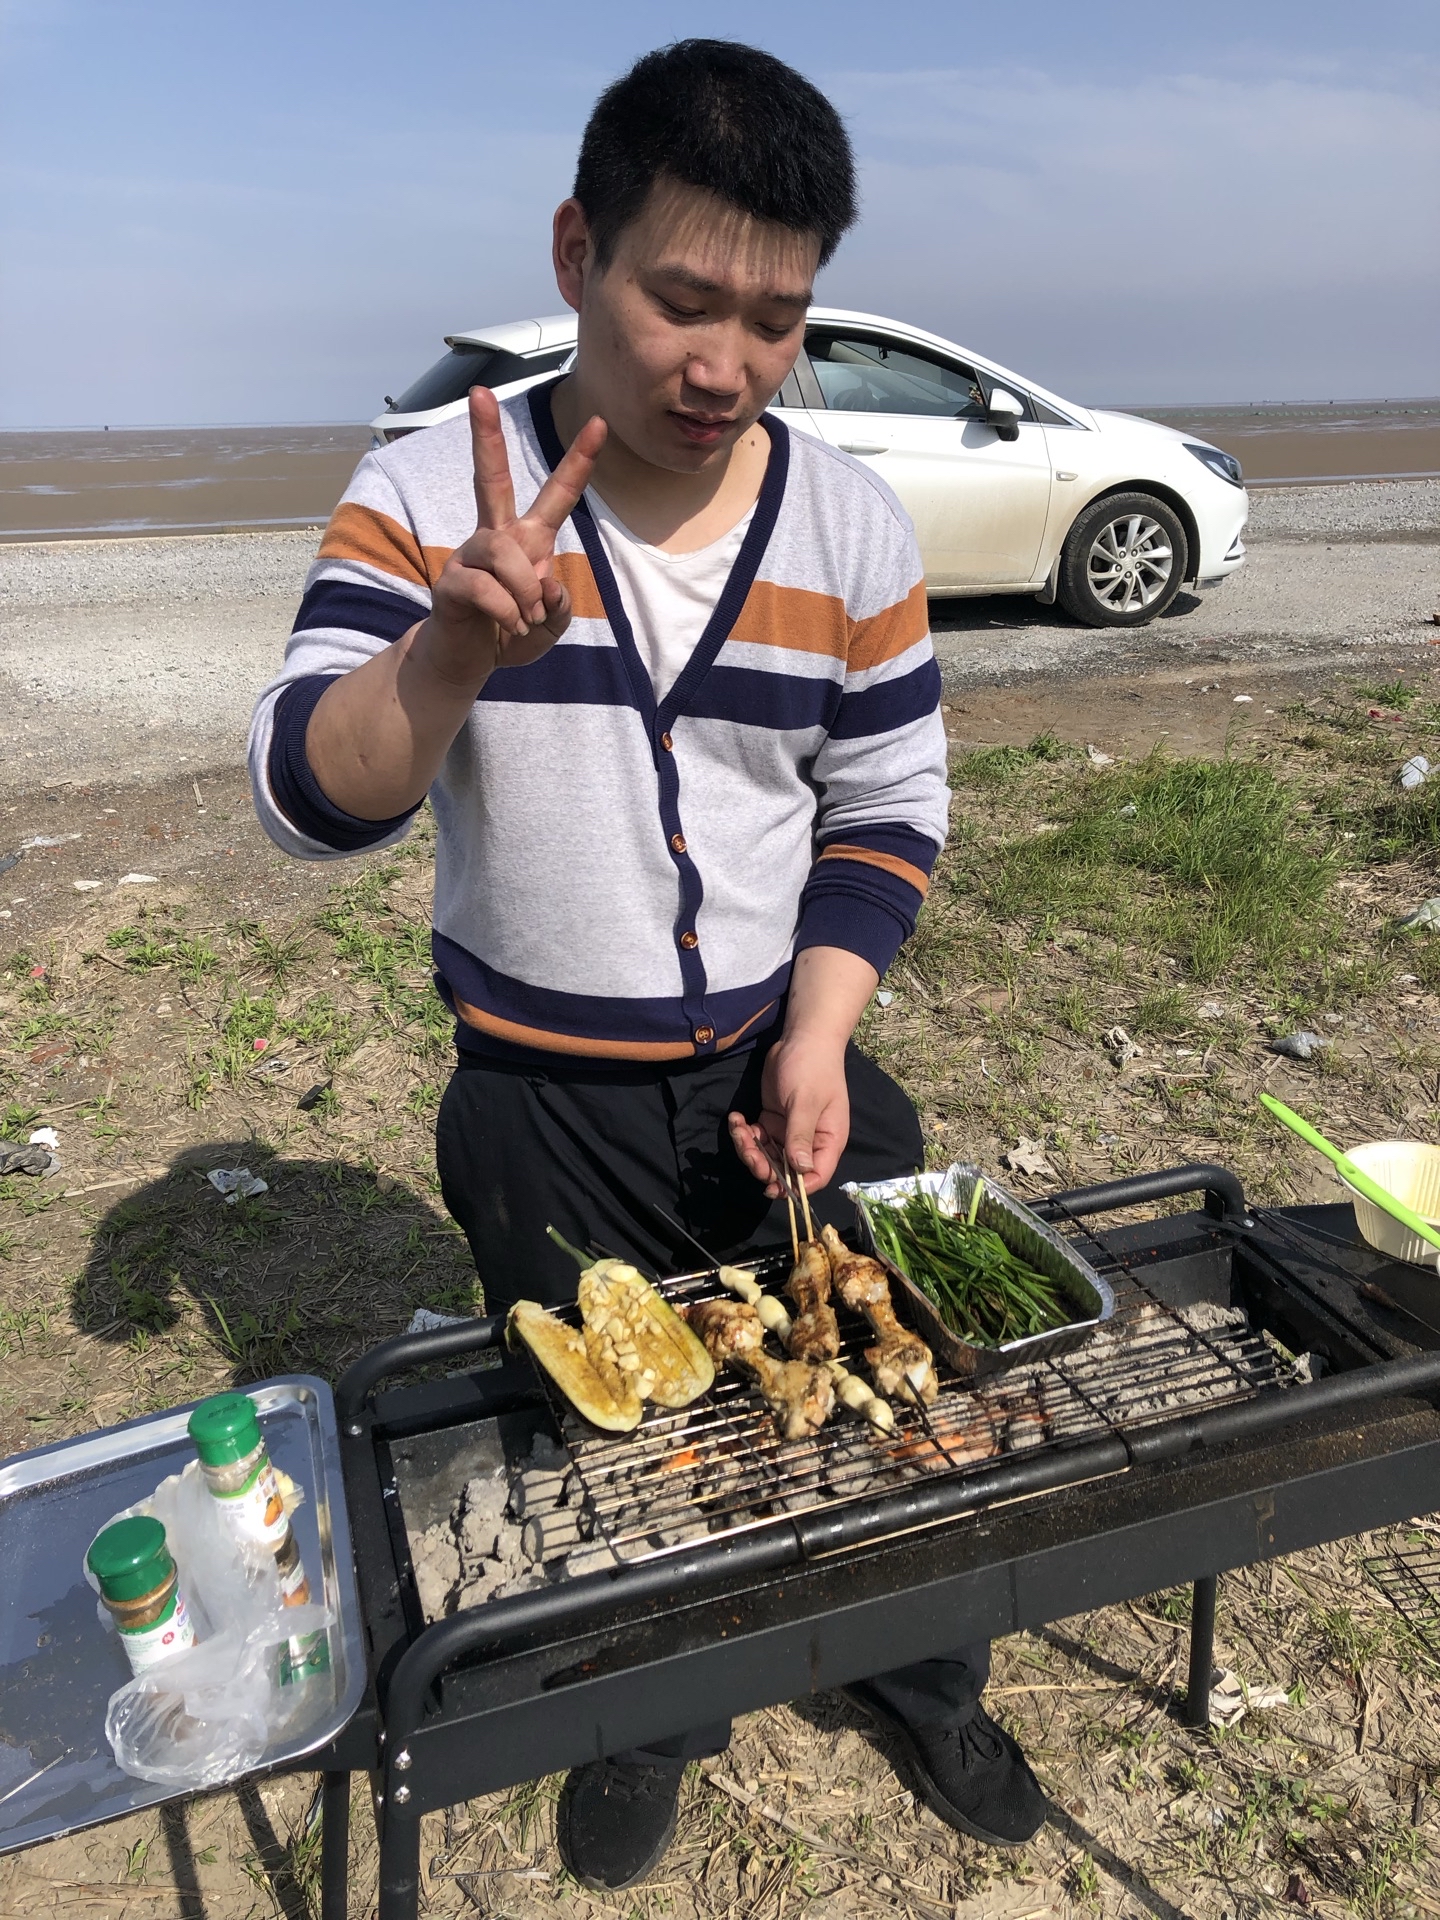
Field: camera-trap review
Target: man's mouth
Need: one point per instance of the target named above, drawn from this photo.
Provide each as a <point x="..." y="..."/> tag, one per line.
<point x="701" y="430"/>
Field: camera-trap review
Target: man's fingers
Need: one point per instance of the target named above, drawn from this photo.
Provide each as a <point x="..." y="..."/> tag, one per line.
<point x="555" y="501"/>
<point x="557" y="605"/>
<point x="494" y="495"/>
<point x="749" y="1143"/>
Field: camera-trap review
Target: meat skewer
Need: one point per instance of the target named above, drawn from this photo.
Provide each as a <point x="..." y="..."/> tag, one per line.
<point x="801" y="1397"/>
<point x="902" y="1364"/>
<point x="815" y="1334"/>
<point x="850" y="1389"/>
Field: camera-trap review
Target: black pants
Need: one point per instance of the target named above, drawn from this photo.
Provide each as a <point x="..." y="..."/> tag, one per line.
<point x="592" y="1149"/>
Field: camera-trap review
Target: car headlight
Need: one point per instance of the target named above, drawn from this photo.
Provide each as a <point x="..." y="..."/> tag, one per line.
<point x="1225" y="465"/>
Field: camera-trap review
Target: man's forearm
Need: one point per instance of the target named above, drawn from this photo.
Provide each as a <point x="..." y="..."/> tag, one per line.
<point x="378" y="735"/>
<point x="830" y="988"/>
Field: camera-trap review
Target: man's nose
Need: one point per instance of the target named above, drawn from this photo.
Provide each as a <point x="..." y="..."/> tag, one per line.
<point x="718" y="368"/>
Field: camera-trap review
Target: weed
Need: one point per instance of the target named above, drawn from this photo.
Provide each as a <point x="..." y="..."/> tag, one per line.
<point x="17" y="1121"/>
<point x="1398" y="695"/>
<point x="280" y="954"/>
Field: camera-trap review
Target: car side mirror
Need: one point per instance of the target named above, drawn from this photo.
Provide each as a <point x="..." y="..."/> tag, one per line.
<point x="1004" y="412"/>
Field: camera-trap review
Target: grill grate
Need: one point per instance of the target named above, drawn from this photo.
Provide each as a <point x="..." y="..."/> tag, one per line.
<point x="719" y="1467"/>
<point x="1409" y="1578"/>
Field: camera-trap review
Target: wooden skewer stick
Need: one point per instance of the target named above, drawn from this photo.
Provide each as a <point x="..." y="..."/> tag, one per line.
<point x="804" y="1203"/>
<point x="782" y="1175"/>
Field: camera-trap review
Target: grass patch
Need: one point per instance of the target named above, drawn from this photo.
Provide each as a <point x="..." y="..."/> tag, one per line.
<point x="1203" y="861"/>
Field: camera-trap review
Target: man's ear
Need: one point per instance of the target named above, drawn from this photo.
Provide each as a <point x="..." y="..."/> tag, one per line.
<point x="572" y="251"/>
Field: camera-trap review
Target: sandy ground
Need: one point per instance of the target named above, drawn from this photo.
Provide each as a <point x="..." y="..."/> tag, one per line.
<point x="130" y="658"/>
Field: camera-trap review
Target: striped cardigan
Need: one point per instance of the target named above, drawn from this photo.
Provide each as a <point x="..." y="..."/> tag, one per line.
<point x="616" y="877"/>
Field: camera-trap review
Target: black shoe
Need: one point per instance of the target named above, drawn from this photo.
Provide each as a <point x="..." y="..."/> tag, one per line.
<point x="973" y="1777"/>
<point x="614" y="1822"/>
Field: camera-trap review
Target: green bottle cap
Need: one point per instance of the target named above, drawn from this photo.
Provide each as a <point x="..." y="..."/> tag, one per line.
<point x="131" y="1558"/>
<point x="224" y="1428"/>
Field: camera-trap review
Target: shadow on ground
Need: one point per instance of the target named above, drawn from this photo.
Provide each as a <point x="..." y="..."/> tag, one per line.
<point x="332" y="1258"/>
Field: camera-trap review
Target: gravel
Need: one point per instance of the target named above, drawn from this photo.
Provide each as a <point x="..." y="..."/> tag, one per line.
<point x="1365" y="507"/>
<point x="166" y="572"/>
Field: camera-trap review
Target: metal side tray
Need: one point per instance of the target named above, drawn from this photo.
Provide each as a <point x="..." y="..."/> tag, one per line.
<point x="1026" y="1234"/>
<point x="59" y="1665"/>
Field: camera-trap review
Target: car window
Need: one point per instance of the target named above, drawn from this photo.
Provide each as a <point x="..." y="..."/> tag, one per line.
<point x="465" y="367"/>
<point x="860" y="373"/>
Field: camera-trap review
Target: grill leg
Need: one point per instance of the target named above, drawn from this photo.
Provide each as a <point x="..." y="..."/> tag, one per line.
<point x="335" y="1847"/>
<point x="1202" y="1652"/>
<point x="399" y="1867"/>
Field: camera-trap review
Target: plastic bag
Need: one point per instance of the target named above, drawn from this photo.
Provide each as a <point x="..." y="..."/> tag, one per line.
<point x="207" y="1715"/>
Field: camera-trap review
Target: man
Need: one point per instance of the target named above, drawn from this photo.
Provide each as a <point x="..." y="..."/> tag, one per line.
<point x="665" y="674"/>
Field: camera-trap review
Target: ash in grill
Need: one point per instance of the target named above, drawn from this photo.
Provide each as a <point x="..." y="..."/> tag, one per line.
<point x="511" y="1530"/>
<point x="720" y="1468"/>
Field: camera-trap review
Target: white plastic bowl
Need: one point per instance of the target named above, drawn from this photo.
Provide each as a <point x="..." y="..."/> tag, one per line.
<point x="1410" y="1171"/>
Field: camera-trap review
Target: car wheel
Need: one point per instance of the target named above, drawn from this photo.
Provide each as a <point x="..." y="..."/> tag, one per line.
<point x="1124" y="561"/>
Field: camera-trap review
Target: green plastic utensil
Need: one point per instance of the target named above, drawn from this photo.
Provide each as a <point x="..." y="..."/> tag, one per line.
<point x="1344" y="1165"/>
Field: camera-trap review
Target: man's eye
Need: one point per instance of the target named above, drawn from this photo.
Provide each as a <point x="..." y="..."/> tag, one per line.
<point x="681" y="313"/>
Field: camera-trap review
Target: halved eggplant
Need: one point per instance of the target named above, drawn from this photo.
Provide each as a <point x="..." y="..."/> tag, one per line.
<point x="606" y="1400"/>
<point x="633" y="1334"/>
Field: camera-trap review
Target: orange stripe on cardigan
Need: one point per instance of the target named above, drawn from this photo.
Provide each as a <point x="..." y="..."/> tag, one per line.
<point x="544" y="1041"/>
<point x="886" y="635"/>
<point x="793" y="617"/>
<point x="360" y="533"/>
<point x="887" y="862"/>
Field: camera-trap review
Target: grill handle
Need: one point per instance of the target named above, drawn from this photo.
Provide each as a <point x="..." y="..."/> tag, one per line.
<point x="1223" y="1193"/>
<point x="408" y="1350"/>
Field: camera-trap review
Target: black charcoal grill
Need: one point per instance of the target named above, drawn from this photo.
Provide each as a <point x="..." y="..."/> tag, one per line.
<point x="1267" y="1382"/>
<point x="745" y="1570"/>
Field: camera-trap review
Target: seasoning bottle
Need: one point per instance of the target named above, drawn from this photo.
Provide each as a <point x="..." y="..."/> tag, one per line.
<point x="237" y="1470"/>
<point x="139" y="1585"/>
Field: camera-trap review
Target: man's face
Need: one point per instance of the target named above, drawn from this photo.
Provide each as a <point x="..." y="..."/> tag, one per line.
<point x="689" y="332"/>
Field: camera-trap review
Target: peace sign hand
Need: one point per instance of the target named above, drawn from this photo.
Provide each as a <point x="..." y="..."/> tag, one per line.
<point x="497" y="603"/>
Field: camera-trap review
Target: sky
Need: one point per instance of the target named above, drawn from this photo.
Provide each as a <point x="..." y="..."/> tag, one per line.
<point x="268" y="212"/>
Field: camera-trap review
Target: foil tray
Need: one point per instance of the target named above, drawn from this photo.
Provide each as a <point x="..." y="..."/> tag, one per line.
<point x="1026" y="1234"/>
<point x="59" y="1666"/>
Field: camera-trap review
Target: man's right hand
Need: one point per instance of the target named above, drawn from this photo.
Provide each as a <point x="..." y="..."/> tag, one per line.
<point x="497" y="602"/>
<point x="378" y="734"/>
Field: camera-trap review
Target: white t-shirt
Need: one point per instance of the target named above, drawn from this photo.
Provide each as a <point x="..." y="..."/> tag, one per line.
<point x="669" y="597"/>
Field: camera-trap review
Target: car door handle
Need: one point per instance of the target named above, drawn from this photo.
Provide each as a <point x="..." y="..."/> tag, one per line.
<point x="864" y="446"/>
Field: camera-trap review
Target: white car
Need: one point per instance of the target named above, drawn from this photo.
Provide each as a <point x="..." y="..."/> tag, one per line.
<point x="1011" y="488"/>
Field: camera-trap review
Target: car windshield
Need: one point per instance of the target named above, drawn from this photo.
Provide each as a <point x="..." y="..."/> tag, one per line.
<point x="451" y="379"/>
<point x="860" y="375"/>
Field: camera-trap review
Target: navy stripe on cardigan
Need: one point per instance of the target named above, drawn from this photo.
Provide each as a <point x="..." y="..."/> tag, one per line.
<point x="889" y="704"/>
<point x="298" y="794"/>
<point x="862" y="908"/>
<point x="356" y="608"/>
<point x="658" y="1020"/>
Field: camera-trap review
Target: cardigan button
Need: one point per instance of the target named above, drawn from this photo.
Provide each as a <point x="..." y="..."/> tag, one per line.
<point x="704" y="1035"/>
<point x="689" y="941"/>
<point x="667" y="743"/>
<point x="677" y="842"/>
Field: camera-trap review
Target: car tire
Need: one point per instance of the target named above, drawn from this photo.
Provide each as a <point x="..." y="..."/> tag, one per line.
<point x="1123" y="562"/>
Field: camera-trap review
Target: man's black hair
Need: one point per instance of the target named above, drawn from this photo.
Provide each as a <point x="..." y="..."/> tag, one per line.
<point x="725" y="117"/>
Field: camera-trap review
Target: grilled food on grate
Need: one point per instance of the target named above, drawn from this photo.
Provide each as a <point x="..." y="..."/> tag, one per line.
<point x="815" y="1334"/>
<point x="903" y="1366"/>
<point x="850" y="1389"/>
<point x="802" y="1397"/>
<point x="632" y="1333"/>
<point x="606" y="1400"/>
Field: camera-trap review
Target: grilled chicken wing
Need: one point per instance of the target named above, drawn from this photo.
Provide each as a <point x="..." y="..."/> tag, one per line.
<point x="801" y="1397"/>
<point x="902" y="1364"/>
<point x="814" y="1334"/>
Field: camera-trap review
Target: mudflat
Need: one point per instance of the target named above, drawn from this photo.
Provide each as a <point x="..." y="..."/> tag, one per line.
<point x="67" y="485"/>
<point x="172" y="479"/>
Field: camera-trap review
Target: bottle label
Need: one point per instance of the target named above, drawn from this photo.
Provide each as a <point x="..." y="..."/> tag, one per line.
<point x="304" y="1658"/>
<point x="256" y="1510"/>
<point x="148" y="1646"/>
